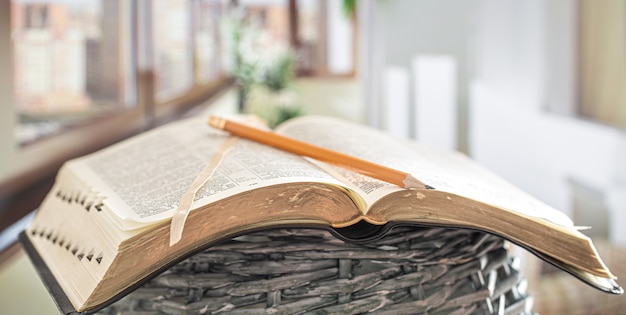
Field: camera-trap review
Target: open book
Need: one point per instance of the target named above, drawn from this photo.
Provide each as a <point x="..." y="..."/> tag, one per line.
<point x="104" y="227"/>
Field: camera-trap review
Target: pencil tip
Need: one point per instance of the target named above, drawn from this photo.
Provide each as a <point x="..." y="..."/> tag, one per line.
<point x="412" y="182"/>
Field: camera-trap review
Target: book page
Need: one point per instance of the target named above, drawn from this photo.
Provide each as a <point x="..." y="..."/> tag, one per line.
<point x="445" y="171"/>
<point x="144" y="178"/>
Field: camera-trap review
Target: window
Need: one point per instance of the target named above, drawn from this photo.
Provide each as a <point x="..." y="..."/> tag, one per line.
<point x="206" y="40"/>
<point x="320" y="50"/>
<point x="171" y="25"/>
<point x="76" y="60"/>
<point x="81" y="75"/>
<point x="304" y="25"/>
<point x="72" y="60"/>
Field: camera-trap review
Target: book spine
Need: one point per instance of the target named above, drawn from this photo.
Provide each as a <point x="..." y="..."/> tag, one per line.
<point x="67" y="235"/>
<point x="58" y="296"/>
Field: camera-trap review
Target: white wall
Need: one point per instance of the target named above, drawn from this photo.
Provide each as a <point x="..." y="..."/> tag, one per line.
<point x="435" y="100"/>
<point x="398" y="31"/>
<point x="560" y="48"/>
<point x="513" y="130"/>
<point x="516" y="96"/>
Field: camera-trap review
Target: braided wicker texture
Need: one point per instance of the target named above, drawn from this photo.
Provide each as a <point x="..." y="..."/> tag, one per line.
<point x="307" y="271"/>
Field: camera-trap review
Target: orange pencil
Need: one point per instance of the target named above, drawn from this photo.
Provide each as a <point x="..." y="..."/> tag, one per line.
<point x="360" y="166"/>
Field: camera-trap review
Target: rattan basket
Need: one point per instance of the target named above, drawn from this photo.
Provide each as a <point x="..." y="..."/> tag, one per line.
<point x="412" y="270"/>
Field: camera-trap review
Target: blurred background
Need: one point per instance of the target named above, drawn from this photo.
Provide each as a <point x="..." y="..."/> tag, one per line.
<point x="534" y="90"/>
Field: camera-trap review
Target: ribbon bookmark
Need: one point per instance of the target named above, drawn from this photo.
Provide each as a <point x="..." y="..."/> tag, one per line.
<point x="182" y="211"/>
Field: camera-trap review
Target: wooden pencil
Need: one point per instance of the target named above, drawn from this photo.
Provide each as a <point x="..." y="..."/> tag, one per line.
<point x="284" y="143"/>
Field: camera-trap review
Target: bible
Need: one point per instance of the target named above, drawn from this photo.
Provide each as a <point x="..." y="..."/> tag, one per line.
<point x="104" y="227"/>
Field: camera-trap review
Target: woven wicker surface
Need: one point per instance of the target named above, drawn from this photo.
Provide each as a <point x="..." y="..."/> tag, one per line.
<point x="306" y="271"/>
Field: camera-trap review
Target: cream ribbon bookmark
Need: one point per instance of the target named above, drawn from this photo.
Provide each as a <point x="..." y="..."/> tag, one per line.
<point x="180" y="216"/>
